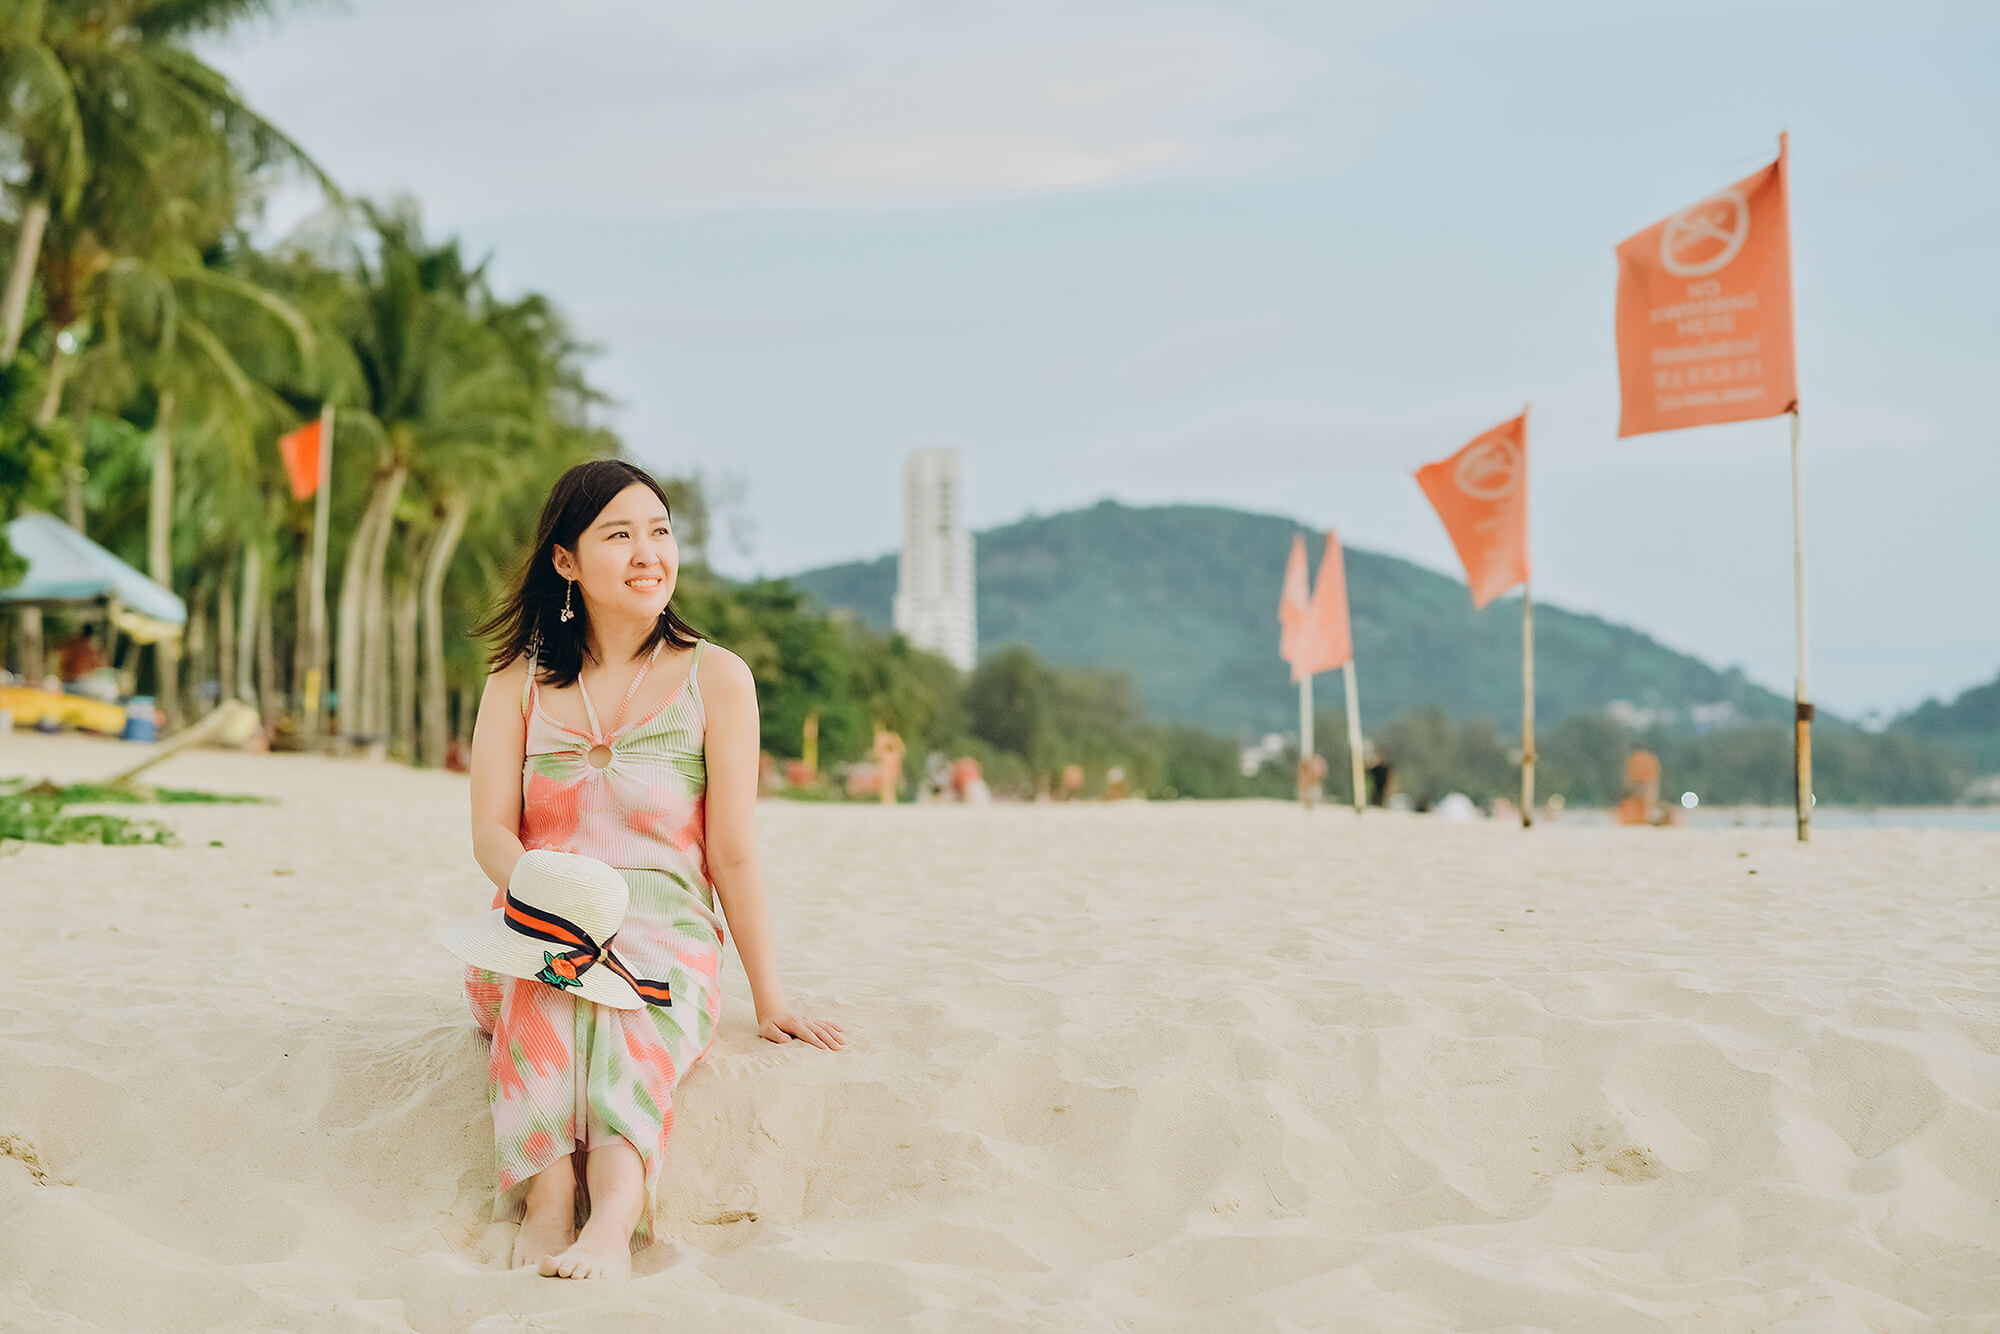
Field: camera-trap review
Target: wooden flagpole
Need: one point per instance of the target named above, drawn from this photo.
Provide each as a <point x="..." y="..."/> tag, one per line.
<point x="1354" y="734"/>
<point x="1306" y="785"/>
<point x="1527" y="708"/>
<point x="316" y="611"/>
<point x="1802" y="705"/>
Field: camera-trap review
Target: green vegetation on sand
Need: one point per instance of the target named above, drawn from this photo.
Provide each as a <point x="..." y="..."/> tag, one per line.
<point x="35" y="815"/>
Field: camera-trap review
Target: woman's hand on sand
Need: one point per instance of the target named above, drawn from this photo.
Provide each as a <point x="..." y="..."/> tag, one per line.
<point x="787" y="1024"/>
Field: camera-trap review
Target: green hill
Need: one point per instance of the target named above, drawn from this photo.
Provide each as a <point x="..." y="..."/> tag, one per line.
<point x="1969" y="724"/>
<point x="1185" y="598"/>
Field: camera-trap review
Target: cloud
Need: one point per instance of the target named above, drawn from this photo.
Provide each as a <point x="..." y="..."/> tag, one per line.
<point x="512" y="107"/>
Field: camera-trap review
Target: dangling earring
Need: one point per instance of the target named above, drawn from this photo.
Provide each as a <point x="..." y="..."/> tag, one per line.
<point x="569" y="586"/>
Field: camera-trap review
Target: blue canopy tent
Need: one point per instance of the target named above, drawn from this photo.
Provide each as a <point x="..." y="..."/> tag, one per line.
<point x="66" y="568"/>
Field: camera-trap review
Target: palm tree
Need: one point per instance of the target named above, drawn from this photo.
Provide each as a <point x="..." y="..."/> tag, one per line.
<point x="97" y="94"/>
<point x="169" y="330"/>
<point x="132" y="152"/>
<point x="530" y="347"/>
<point x="440" y="403"/>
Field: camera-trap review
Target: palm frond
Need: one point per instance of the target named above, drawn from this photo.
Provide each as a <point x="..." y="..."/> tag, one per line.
<point x="264" y="299"/>
<point x="50" y="127"/>
<point x="218" y="356"/>
<point x="166" y="20"/>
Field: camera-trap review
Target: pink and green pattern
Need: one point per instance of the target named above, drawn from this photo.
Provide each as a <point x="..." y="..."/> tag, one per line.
<point x="564" y="1071"/>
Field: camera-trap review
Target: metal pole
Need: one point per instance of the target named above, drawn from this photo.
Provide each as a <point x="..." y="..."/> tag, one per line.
<point x="1527" y="708"/>
<point x="1802" y="705"/>
<point x="316" y="609"/>
<point x="1354" y="736"/>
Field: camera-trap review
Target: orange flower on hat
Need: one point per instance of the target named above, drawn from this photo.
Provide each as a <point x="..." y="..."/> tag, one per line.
<point x="558" y="971"/>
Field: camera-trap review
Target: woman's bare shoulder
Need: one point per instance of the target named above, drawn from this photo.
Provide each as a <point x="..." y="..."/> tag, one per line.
<point x="508" y="682"/>
<point x="514" y="673"/>
<point x="722" y="670"/>
<point x="502" y="717"/>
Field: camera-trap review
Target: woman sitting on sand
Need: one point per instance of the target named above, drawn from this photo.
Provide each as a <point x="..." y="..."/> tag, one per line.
<point x="667" y="799"/>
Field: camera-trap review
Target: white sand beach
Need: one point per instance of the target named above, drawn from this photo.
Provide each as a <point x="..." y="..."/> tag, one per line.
<point x="1169" y="1066"/>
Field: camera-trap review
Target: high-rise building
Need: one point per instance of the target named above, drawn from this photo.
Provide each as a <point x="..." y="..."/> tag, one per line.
<point x="935" y="597"/>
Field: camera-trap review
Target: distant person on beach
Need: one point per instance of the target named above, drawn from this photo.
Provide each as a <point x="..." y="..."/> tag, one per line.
<point x="889" y="752"/>
<point x="661" y="787"/>
<point x="1642" y="787"/>
<point x="1381" y="776"/>
<point x="937" y="777"/>
<point x="79" y="656"/>
<point x="1312" y="778"/>
<point x="83" y="667"/>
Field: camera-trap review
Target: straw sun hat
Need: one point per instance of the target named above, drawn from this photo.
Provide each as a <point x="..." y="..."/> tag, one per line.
<point x="556" y="927"/>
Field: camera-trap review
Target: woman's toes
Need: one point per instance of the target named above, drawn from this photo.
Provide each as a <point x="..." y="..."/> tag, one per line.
<point x="586" y="1261"/>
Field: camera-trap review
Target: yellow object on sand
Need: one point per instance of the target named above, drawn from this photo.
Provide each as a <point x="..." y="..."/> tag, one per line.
<point x="30" y="705"/>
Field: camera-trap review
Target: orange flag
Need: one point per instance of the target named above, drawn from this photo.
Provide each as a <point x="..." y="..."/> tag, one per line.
<point x="1292" y="602"/>
<point x="300" y="451"/>
<point x="1323" y="641"/>
<point x="1705" y="311"/>
<point x="1481" y="493"/>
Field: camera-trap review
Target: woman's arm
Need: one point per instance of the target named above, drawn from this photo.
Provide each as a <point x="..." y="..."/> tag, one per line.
<point x="499" y="750"/>
<point x="732" y="752"/>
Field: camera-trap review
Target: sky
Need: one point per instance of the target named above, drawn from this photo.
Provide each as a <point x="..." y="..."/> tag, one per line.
<point x="1273" y="255"/>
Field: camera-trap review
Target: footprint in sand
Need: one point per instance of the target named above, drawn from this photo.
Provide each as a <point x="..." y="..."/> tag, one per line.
<point x="1597" y="1148"/>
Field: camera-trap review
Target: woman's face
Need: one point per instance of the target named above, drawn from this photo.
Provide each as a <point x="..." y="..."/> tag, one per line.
<point x="626" y="561"/>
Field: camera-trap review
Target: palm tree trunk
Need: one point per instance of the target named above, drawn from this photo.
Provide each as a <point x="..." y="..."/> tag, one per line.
<point x="405" y="732"/>
<point x="347" y="664"/>
<point x="33" y="668"/>
<point x="52" y="392"/>
<point x="302" y="646"/>
<point x="225" y="636"/>
<point x="73" y="485"/>
<point x="270" y="694"/>
<point x="375" y="620"/>
<point x="436" y="725"/>
<point x="186" y="661"/>
<point x="73" y="475"/>
<point x="160" y="510"/>
<point x="159" y="547"/>
<point x="374" y="666"/>
<point x="27" y="256"/>
<point x="246" y="632"/>
<point x="344" y="672"/>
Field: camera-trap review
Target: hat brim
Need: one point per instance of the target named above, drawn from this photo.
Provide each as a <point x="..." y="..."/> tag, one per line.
<point x="486" y="941"/>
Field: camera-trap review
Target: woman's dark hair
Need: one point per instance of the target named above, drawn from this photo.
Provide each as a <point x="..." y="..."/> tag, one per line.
<point x="529" y="620"/>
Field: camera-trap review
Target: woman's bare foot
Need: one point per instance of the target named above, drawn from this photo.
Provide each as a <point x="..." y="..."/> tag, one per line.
<point x="541" y="1237"/>
<point x="593" y="1256"/>
<point x="617" y="1182"/>
<point x="549" y="1225"/>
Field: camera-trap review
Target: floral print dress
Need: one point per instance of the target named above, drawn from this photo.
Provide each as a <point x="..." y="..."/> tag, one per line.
<point x="565" y="1072"/>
